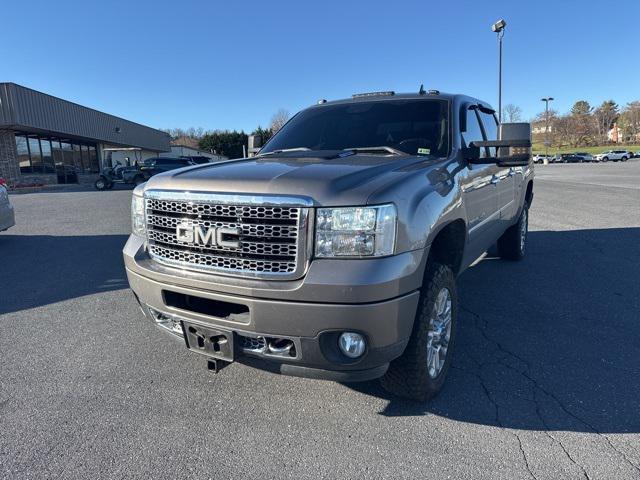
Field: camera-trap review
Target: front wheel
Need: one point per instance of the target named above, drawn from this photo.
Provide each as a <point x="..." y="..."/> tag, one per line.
<point x="419" y="373"/>
<point x="101" y="184"/>
<point x="624" y="159"/>
<point x="605" y="159"/>
<point x="513" y="243"/>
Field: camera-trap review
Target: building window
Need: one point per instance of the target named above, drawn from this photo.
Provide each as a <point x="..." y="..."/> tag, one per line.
<point x="77" y="156"/>
<point x="23" y="154"/>
<point x="41" y="155"/>
<point x="66" y="153"/>
<point x="85" y="158"/>
<point x="47" y="159"/>
<point x="36" y="155"/>
<point x="93" y="160"/>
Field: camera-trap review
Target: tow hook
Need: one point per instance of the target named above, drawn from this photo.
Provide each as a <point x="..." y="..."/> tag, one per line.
<point x="279" y="346"/>
<point x="215" y="364"/>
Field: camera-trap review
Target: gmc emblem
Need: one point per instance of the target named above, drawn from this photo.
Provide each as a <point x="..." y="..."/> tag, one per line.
<point x="207" y="237"/>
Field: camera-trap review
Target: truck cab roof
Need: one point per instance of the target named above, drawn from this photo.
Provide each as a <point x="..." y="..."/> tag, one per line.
<point x="453" y="98"/>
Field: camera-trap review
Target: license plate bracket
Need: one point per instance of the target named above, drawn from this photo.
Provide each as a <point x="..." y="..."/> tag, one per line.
<point x="213" y="342"/>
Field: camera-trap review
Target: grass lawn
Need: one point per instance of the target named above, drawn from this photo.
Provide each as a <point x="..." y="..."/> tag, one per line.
<point x="539" y="148"/>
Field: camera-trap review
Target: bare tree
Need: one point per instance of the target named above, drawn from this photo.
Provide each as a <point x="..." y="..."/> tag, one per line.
<point x="543" y="130"/>
<point x="278" y="120"/>
<point x="563" y="130"/>
<point x="512" y="113"/>
<point x="630" y="120"/>
<point x="605" y="116"/>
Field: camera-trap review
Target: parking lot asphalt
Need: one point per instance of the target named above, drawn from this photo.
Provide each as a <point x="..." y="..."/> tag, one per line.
<point x="544" y="382"/>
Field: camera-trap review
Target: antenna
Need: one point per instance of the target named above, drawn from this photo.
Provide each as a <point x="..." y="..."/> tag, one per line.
<point x="422" y="91"/>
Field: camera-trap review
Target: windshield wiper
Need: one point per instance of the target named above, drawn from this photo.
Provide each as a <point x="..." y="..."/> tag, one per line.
<point x="285" y="150"/>
<point x="384" y="149"/>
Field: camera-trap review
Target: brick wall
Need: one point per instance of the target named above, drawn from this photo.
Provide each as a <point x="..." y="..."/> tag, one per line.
<point x="9" y="166"/>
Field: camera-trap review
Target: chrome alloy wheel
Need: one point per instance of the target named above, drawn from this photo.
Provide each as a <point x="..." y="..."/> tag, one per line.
<point x="523" y="229"/>
<point x="439" y="333"/>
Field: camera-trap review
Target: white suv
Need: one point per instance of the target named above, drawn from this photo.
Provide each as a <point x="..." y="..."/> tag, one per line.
<point x="540" y="158"/>
<point x="614" y="155"/>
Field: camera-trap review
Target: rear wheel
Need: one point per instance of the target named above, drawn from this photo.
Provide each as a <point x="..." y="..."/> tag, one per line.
<point x="513" y="243"/>
<point x="419" y="373"/>
<point x="624" y="159"/>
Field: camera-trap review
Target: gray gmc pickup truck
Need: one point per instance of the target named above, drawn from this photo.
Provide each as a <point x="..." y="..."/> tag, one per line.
<point x="333" y="253"/>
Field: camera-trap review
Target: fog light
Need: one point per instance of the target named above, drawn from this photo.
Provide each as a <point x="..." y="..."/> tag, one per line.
<point x="352" y="344"/>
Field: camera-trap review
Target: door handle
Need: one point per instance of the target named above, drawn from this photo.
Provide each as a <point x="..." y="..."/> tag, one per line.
<point x="495" y="180"/>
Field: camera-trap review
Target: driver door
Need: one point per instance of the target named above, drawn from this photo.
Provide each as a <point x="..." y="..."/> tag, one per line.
<point x="479" y="188"/>
<point x="505" y="181"/>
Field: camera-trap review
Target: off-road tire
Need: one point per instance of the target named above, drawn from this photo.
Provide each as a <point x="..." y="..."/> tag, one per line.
<point x="408" y="375"/>
<point x="510" y="244"/>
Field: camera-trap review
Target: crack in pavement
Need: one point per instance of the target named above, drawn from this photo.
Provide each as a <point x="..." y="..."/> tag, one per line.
<point x="481" y="325"/>
<point x="497" y="415"/>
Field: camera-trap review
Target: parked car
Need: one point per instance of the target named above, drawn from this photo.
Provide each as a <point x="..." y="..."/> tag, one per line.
<point x="540" y="158"/>
<point x="586" y="157"/>
<point x="164" y="164"/>
<point x="334" y="252"/>
<point x="7" y="215"/>
<point x="567" y="158"/>
<point x="615" y="155"/>
<point x="572" y="158"/>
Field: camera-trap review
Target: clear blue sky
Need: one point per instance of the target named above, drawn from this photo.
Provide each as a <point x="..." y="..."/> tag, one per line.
<point x="232" y="64"/>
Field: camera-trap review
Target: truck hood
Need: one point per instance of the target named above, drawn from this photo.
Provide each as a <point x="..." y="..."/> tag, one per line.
<point x="327" y="180"/>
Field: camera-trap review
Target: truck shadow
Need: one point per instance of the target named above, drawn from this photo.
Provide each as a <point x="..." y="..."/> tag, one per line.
<point x="549" y="343"/>
<point x="39" y="270"/>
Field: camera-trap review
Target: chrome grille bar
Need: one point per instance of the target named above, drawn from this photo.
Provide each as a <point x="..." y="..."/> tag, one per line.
<point x="272" y="235"/>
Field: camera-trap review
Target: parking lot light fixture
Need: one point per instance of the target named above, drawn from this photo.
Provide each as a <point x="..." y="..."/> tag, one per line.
<point x="546" y="101"/>
<point x="498" y="28"/>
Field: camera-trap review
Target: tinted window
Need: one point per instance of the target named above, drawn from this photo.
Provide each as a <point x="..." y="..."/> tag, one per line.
<point x="473" y="131"/>
<point x="23" y="154"/>
<point x="406" y="125"/>
<point x="490" y="128"/>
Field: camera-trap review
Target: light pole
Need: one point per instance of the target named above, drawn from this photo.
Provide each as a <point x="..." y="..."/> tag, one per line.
<point x="498" y="28"/>
<point x="546" y="101"/>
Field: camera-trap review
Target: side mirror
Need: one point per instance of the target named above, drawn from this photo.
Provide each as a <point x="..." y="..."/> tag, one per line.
<point x="514" y="147"/>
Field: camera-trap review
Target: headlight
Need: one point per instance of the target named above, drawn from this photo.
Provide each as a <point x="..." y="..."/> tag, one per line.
<point x="356" y="231"/>
<point x="138" y="226"/>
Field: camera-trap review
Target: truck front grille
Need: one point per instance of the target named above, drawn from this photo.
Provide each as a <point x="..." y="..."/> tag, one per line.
<point x="271" y="233"/>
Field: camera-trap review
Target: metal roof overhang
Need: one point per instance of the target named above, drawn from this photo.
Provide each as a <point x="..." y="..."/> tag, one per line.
<point x="30" y="111"/>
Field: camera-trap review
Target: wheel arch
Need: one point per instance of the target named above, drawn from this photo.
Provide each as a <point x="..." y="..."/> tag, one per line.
<point x="528" y="196"/>
<point x="448" y="244"/>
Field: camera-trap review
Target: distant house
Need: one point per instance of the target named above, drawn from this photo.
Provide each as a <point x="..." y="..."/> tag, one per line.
<point x="541" y="127"/>
<point x="615" y="134"/>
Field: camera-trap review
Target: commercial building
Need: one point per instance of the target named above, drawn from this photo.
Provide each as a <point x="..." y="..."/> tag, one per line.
<point x="40" y="133"/>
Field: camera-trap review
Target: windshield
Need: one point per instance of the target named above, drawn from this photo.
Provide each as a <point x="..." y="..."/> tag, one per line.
<point x="410" y="126"/>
